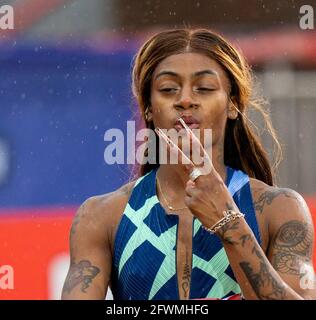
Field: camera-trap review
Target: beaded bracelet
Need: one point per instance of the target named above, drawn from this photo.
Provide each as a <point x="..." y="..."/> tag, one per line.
<point x="229" y="215"/>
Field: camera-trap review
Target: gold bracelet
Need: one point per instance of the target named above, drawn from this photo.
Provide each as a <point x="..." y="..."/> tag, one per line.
<point x="229" y="215"/>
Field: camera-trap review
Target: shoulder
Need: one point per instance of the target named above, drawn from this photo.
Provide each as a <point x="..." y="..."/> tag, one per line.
<point x="99" y="206"/>
<point x="98" y="216"/>
<point x="279" y="206"/>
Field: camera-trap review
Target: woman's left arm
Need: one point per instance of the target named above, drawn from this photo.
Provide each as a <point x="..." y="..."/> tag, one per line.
<point x="286" y="271"/>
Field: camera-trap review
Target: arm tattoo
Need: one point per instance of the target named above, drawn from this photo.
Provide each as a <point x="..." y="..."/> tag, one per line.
<point x="77" y="218"/>
<point x="263" y="283"/>
<point x="267" y="197"/>
<point x="293" y="243"/>
<point x="126" y="189"/>
<point x="80" y="273"/>
<point x="186" y="278"/>
<point x="233" y="225"/>
<point x="244" y="238"/>
<point x="82" y="212"/>
<point x="229" y="206"/>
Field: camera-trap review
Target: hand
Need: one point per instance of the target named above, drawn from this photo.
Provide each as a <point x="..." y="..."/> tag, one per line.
<point x="207" y="197"/>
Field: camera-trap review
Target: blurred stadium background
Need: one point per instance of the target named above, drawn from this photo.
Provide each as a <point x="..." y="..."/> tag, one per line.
<point x="65" y="79"/>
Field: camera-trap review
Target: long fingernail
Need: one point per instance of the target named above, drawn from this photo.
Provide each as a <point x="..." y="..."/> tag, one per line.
<point x="187" y="129"/>
<point x="162" y="135"/>
<point x="157" y="130"/>
<point x="184" y="124"/>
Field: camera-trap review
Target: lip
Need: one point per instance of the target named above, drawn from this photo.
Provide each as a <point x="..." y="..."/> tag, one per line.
<point x="190" y="121"/>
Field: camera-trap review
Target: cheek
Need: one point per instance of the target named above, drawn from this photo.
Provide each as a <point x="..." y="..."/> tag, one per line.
<point x="157" y="104"/>
<point x="216" y="111"/>
<point x="160" y="114"/>
<point x="155" y="96"/>
<point x="162" y="111"/>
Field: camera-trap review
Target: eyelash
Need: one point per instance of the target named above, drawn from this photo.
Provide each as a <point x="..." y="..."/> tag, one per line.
<point x="173" y="89"/>
<point x="205" y="89"/>
<point x="167" y="89"/>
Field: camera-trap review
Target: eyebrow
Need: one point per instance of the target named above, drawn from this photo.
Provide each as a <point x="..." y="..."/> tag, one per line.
<point x="196" y="74"/>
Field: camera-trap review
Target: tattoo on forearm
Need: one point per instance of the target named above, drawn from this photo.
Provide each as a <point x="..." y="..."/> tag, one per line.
<point x="263" y="283"/>
<point x="267" y="197"/>
<point x="292" y="245"/>
<point x="229" y="206"/>
<point x="81" y="273"/>
<point x="76" y="219"/>
<point x="186" y="278"/>
<point x="224" y="231"/>
<point x="244" y="238"/>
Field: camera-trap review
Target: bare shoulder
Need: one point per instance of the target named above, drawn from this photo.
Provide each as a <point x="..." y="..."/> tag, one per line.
<point x="103" y="207"/>
<point x="98" y="216"/>
<point x="279" y="205"/>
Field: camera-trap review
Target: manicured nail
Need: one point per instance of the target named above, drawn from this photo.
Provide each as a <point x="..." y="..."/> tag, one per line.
<point x="184" y="125"/>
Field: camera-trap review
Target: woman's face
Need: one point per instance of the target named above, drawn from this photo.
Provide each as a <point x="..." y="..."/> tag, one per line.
<point x="191" y="86"/>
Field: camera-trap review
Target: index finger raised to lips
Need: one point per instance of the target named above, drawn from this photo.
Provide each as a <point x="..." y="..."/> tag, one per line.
<point x="207" y="162"/>
<point x="174" y="148"/>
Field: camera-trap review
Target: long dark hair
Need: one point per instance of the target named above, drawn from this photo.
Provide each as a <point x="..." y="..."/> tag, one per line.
<point x="242" y="147"/>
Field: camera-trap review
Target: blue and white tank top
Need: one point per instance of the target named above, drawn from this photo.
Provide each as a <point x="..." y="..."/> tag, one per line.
<point x="144" y="261"/>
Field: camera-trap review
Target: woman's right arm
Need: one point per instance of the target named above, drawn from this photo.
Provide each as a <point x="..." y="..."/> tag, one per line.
<point x="90" y="254"/>
<point x="91" y="244"/>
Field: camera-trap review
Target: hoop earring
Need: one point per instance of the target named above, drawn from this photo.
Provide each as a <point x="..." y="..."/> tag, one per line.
<point x="235" y="110"/>
<point x="146" y="113"/>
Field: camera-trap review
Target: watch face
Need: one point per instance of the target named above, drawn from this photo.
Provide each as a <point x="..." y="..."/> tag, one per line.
<point x="4" y="161"/>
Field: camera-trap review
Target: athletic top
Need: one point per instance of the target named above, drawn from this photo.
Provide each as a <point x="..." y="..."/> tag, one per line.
<point x="144" y="261"/>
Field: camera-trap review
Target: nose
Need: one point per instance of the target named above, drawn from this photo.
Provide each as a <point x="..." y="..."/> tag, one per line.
<point x="186" y="100"/>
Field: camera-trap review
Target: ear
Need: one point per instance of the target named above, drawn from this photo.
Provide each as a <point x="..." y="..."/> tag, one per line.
<point x="232" y="111"/>
<point x="149" y="114"/>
